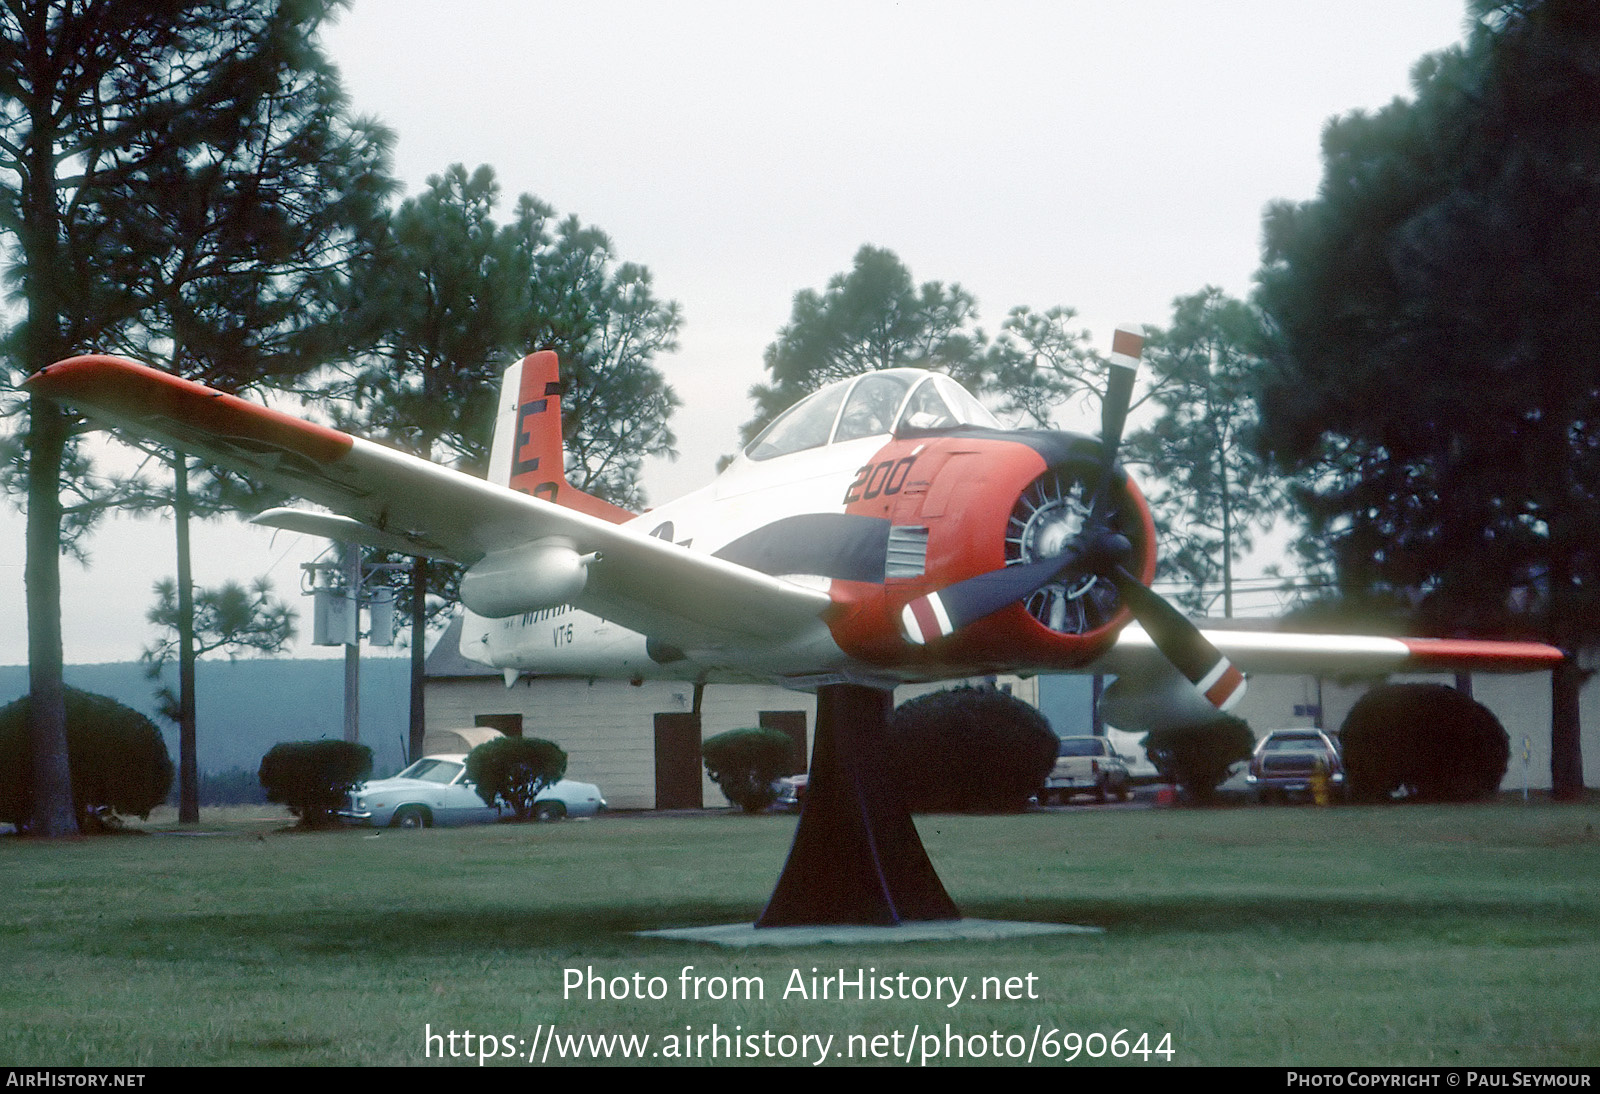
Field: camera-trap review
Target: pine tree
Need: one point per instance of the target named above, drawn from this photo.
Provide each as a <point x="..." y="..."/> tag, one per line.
<point x="1436" y="374"/>
<point x="96" y="101"/>
<point x="449" y="298"/>
<point x="1210" y="488"/>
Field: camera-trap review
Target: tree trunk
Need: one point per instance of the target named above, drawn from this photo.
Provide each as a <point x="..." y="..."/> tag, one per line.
<point x="39" y="232"/>
<point x="1566" y="742"/>
<point x="1566" y="748"/>
<point x="53" y="813"/>
<point x="188" y="763"/>
<point x="1227" y="533"/>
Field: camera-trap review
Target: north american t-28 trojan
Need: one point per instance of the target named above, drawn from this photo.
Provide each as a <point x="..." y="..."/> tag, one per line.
<point x="885" y="529"/>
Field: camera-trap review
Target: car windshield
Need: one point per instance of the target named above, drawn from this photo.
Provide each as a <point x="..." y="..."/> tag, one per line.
<point x="432" y="771"/>
<point x="1082" y="746"/>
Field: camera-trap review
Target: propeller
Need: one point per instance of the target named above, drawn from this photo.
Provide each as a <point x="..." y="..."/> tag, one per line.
<point x="1096" y="550"/>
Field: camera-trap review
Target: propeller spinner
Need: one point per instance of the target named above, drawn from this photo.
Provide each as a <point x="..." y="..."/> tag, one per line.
<point x="1068" y="553"/>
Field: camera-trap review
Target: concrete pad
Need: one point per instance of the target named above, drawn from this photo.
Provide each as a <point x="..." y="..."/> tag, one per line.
<point x="943" y="930"/>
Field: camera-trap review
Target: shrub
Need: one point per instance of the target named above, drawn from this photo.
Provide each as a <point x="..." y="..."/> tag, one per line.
<point x="745" y="762"/>
<point x="313" y="778"/>
<point x="974" y="750"/>
<point x="512" y="770"/>
<point x="1423" y="741"/>
<point x="118" y="759"/>
<point x="1197" y="757"/>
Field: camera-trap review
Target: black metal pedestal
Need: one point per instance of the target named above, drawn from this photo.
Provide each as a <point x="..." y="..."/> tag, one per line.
<point x="856" y="858"/>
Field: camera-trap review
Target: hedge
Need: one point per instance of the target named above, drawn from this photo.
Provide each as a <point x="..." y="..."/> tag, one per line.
<point x="313" y="778"/>
<point x="1427" y="742"/>
<point x="746" y="762"/>
<point x="974" y="750"/>
<point x="119" y="762"/>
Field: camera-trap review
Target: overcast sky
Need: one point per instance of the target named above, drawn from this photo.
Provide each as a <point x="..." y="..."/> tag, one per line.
<point x="1106" y="157"/>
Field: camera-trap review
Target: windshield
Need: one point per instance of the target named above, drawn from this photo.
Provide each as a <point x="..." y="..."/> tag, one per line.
<point x="875" y="399"/>
<point x="872" y="406"/>
<point x="432" y="771"/>
<point x="967" y="409"/>
<point x="1082" y="746"/>
<point x="926" y="410"/>
<point x="804" y="425"/>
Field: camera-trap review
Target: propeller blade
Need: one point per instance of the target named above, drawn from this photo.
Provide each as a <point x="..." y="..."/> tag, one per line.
<point x="944" y="612"/>
<point x="1126" y="348"/>
<point x="1181" y="642"/>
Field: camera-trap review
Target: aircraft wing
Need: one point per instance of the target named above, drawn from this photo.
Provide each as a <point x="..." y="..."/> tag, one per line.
<point x="393" y="500"/>
<point x="1150" y="693"/>
<point x="1336" y="654"/>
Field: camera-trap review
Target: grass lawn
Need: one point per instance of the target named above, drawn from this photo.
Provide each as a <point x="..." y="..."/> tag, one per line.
<point x="1403" y="935"/>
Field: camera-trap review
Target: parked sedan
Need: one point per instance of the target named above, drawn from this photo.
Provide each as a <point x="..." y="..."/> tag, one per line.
<point x="1287" y="760"/>
<point x="436" y="790"/>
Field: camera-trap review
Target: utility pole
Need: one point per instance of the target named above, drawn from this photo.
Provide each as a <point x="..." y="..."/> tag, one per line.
<point x="337" y="619"/>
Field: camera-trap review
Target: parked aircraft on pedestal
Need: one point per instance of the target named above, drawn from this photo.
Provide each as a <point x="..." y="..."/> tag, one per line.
<point x="885" y="529"/>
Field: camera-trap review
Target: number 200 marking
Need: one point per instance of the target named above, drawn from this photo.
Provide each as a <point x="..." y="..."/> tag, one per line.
<point x="875" y="479"/>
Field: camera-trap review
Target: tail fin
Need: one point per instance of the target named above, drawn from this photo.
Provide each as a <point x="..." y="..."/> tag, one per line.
<point x="527" y="454"/>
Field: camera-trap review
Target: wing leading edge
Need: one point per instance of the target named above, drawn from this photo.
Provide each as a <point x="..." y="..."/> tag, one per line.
<point x="389" y="499"/>
<point x="1339" y="654"/>
<point x="1149" y="693"/>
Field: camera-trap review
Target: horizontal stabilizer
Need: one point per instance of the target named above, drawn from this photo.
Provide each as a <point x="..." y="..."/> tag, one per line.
<point x="345" y="530"/>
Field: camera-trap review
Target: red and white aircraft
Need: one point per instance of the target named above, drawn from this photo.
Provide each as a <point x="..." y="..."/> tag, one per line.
<point x="885" y="529"/>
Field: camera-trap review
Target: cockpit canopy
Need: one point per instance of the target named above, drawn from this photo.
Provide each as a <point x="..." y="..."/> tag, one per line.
<point x="895" y="400"/>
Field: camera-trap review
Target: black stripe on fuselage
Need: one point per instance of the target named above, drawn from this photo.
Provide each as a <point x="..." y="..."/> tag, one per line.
<point x="837" y="545"/>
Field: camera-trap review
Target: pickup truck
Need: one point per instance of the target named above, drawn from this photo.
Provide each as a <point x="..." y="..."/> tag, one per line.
<point x="1086" y="765"/>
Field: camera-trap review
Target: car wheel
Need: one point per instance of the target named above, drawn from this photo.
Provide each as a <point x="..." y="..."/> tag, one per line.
<point x="1100" y="793"/>
<point x="1046" y="797"/>
<point x="548" y="811"/>
<point x="411" y="816"/>
<point x="1124" y="793"/>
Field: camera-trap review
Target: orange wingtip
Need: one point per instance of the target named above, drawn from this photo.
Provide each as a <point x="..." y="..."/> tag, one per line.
<point x="1482" y="653"/>
<point x="130" y="392"/>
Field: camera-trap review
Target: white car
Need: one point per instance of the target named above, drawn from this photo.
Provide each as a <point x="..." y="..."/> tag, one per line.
<point x="1085" y="765"/>
<point x="436" y="790"/>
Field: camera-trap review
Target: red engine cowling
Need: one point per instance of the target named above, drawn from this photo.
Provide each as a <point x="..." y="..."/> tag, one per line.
<point x="964" y="505"/>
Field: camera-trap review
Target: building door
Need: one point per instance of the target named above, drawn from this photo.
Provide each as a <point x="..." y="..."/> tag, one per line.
<point x="509" y="724"/>
<point x="793" y="724"/>
<point x="678" y="783"/>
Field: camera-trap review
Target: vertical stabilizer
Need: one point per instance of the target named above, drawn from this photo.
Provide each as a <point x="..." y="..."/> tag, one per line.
<point x="527" y="454"/>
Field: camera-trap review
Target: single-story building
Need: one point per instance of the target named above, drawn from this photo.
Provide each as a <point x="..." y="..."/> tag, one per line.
<point x="641" y="742"/>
